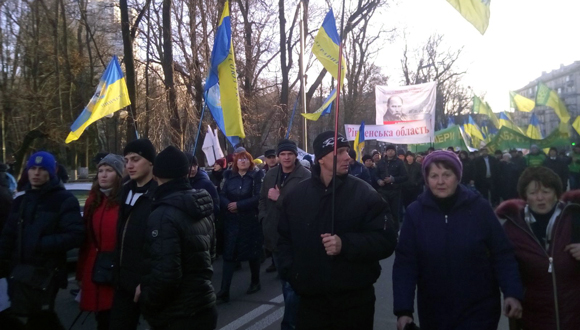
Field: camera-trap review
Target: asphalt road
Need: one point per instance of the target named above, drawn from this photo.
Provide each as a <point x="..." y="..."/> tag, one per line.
<point x="260" y="311"/>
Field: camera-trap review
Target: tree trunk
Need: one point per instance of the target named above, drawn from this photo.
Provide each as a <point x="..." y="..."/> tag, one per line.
<point x="129" y="69"/>
<point x="284" y="91"/>
<point x="176" y="134"/>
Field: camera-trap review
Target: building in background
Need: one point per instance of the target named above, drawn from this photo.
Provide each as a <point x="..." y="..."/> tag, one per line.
<point x="566" y="82"/>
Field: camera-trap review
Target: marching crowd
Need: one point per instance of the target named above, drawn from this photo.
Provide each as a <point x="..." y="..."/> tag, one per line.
<point x="468" y="230"/>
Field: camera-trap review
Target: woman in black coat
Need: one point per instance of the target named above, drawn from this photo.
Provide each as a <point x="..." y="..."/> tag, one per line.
<point x="243" y="238"/>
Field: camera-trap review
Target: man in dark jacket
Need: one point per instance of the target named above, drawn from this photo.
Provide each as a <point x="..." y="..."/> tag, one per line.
<point x="485" y="175"/>
<point x="357" y="169"/>
<point x="370" y="165"/>
<point x="176" y="291"/>
<point x="274" y="188"/>
<point x="198" y="179"/>
<point x="271" y="159"/>
<point x="333" y="263"/>
<point x="413" y="187"/>
<point x="559" y="166"/>
<point x="391" y="173"/>
<point x="51" y="225"/>
<point x="132" y="232"/>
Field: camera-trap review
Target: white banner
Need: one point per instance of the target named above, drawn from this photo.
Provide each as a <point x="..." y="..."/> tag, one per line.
<point x="405" y="108"/>
<point x="411" y="132"/>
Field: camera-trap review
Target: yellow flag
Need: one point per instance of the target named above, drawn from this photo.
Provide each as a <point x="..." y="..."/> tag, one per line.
<point x="474" y="11"/>
<point x="576" y="124"/>
<point x="483" y="108"/>
<point x="522" y="103"/>
<point x="550" y="98"/>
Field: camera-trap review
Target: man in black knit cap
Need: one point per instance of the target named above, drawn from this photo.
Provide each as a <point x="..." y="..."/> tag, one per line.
<point x="131" y="232"/>
<point x="333" y="263"/>
<point x="176" y="292"/>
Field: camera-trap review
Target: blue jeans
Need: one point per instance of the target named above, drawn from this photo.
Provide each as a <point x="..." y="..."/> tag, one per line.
<point x="291" y="301"/>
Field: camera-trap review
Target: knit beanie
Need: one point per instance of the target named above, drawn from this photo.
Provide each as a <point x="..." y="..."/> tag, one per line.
<point x="171" y="163"/>
<point x="443" y="155"/>
<point x="391" y="146"/>
<point x="366" y="157"/>
<point x="324" y="144"/>
<point x="239" y="149"/>
<point x="115" y="161"/>
<point x="44" y="160"/>
<point x="401" y="152"/>
<point x="142" y="147"/>
<point x="352" y="154"/>
<point x="222" y="162"/>
<point x="286" y="145"/>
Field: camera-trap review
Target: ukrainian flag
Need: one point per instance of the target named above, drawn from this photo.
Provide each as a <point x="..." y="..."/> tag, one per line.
<point x="505" y="120"/>
<point x="474" y="11"/>
<point x="326" y="47"/>
<point x="359" y="141"/>
<point x="473" y="130"/>
<point x="223" y="79"/>
<point x="521" y="103"/>
<point x="111" y="95"/>
<point x="483" y="108"/>
<point x="534" y="131"/>
<point x="576" y="124"/>
<point x="450" y="121"/>
<point x="549" y="97"/>
<point x="324" y="109"/>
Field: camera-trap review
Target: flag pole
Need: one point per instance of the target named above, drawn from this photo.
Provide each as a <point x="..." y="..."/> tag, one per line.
<point x="302" y="79"/>
<point x="199" y="126"/>
<point x="336" y="113"/>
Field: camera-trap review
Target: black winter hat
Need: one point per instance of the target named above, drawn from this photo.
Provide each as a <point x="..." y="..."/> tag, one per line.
<point x="286" y="145"/>
<point x="391" y="146"/>
<point x="366" y="157"/>
<point x="324" y="144"/>
<point x="171" y="163"/>
<point x="142" y="147"/>
<point x="352" y="154"/>
<point x="270" y="153"/>
<point x="401" y="152"/>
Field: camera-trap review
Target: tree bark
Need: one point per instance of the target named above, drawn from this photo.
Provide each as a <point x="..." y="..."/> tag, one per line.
<point x="175" y="123"/>
<point x="129" y="69"/>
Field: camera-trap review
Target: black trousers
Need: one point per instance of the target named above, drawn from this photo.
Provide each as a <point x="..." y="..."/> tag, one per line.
<point x="488" y="189"/>
<point x="124" y="313"/>
<point x="203" y="320"/>
<point x="350" y="310"/>
<point x="393" y="198"/>
<point x="103" y="319"/>
<point x="228" y="273"/>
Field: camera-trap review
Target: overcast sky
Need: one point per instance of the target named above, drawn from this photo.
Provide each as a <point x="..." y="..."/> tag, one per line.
<point x="524" y="38"/>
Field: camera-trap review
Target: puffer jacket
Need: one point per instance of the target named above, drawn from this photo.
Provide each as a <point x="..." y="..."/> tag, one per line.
<point x="457" y="262"/>
<point x="269" y="209"/>
<point x="362" y="223"/>
<point x="52" y="226"/>
<point x="243" y="237"/>
<point x="177" y="263"/>
<point x="392" y="167"/>
<point x="542" y="286"/>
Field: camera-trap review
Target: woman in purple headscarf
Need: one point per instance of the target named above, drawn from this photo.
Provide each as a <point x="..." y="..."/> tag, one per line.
<point x="453" y="250"/>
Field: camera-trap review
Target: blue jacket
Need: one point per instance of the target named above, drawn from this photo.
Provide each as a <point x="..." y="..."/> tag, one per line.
<point x="202" y="181"/>
<point x="457" y="261"/>
<point x="358" y="170"/>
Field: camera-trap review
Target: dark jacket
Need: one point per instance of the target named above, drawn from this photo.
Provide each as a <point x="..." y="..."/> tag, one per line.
<point x="131" y="236"/>
<point x="5" y="196"/>
<point x="202" y="181"/>
<point x="539" y="284"/>
<point x="395" y="168"/>
<point x="560" y="167"/>
<point x="457" y="261"/>
<point x="269" y="209"/>
<point x="415" y="176"/>
<point x="177" y="278"/>
<point x="358" y="170"/>
<point x="216" y="178"/>
<point x="52" y="226"/>
<point x="507" y="182"/>
<point x="243" y="237"/>
<point x="361" y="222"/>
<point x="480" y="170"/>
<point x="467" y="174"/>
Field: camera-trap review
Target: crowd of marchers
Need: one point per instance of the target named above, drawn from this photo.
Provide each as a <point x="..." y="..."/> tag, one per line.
<point x="475" y="236"/>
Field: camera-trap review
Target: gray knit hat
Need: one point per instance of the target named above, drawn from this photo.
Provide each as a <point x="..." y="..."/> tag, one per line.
<point x="115" y="161"/>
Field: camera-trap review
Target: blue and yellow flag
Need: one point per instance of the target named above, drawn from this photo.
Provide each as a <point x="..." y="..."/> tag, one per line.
<point x="359" y="141"/>
<point x="111" y="95"/>
<point x="474" y="11"/>
<point x="326" y="47"/>
<point x="223" y="80"/>
<point x="521" y="103"/>
<point x="550" y="98"/>
<point x="473" y="130"/>
<point x="483" y="108"/>
<point x="450" y="121"/>
<point x="505" y="120"/>
<point x="534" y="131"/>
<point x="324" y="109"/>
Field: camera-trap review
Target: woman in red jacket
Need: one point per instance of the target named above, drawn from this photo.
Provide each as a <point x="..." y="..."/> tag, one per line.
<point x="545" y="231"/>
<point x="101" y="214"/>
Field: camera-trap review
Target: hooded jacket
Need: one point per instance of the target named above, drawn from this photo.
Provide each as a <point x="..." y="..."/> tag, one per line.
<point x="269" y="209"/>
<point x="542" y="287"/>
<point x="177" y="263"/>
<point x="52" y="226"/>
<point x="362" y="223"/>
<point x="457" y="261"/>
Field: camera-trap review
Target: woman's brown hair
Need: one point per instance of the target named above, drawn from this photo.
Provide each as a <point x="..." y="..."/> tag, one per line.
<point x="243" y="155"/>
<point x="542" y="175"/>
<point x="112" y="200"/>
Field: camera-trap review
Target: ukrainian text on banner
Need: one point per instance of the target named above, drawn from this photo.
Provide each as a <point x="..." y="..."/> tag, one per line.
<point x="406" y="104"/>
<point x="449" y="137"/>
<point x="508" y="138"/>
<point x="412" y="132"/>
